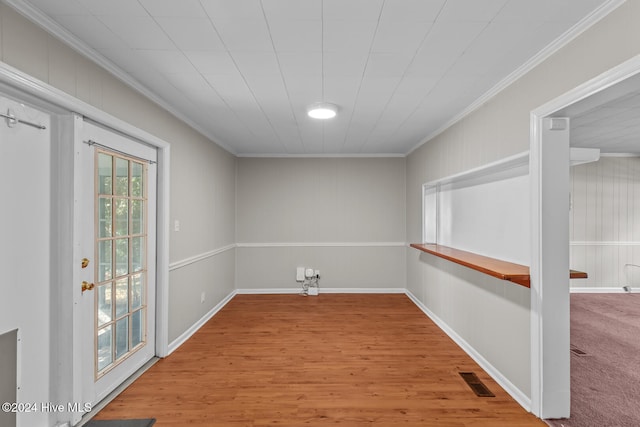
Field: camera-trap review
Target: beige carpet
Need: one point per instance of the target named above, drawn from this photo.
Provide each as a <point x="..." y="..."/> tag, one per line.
<point x="605" y="361"/>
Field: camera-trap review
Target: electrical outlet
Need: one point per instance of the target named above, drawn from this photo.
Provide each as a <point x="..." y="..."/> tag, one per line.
<point x="202" y="295"/>
<point x="176" y="225"/>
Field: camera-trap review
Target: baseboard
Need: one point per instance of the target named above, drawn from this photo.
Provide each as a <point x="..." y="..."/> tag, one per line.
<point x="194" y="328"/>
<point x="601" y="290"/>
<point x="507" y="385"/>
<point x="322" y="290"/>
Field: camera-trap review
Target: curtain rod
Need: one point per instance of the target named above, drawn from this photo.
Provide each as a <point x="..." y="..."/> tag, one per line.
<point x="92" y="142"/>
<point x="12" y="120"/>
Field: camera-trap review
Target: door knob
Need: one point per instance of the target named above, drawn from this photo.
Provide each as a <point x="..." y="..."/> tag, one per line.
<point x="86" y="286"/>
<point x="85" y="262"/>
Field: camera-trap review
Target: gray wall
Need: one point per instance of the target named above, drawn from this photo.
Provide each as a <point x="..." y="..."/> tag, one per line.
<point x="605" y="222"/>
<point x="289" y="210"/>
<point x="492" y="316"/>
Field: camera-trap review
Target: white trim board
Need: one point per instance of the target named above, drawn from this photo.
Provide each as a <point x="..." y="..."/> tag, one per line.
<point x="200" y="257"/>
<point x="322" y="245"/>
<point x="601" y="290"/>
<point x="321" y="290"/>
<point x="603" y="243"/>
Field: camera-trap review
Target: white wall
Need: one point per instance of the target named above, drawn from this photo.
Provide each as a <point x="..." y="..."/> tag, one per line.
<point x="345" y="217"/>
<point x="25" y="172"/>
<point x="499" y="129"/>
<point x="605" y="222"/>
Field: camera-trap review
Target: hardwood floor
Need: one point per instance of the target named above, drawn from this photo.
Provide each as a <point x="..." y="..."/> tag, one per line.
<point x="288" y="360"/>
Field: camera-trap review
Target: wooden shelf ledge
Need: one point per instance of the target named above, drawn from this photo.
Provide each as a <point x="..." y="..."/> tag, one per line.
<point x="500" y="269"/>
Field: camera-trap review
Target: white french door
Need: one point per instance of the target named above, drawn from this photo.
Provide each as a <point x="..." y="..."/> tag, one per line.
<point x="116" y="202"/>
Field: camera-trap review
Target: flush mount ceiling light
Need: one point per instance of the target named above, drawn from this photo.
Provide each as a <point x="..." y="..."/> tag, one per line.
<point x="322" y="111"/>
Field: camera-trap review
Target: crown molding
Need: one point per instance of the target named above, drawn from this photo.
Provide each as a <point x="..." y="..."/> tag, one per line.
<point x="566" y="38"/>
<point x="39" y="18"/>
<point x="323" y="156"/>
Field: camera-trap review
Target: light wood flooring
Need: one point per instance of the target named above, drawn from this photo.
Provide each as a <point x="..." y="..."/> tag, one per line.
<point x="289" y="360"/>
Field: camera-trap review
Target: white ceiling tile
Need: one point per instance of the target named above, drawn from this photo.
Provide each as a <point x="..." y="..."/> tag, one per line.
<point x="61" y="7"/>
<point x="92" y="31"/>
<point x="195" y="87"/>
<point x="411" y="10"/>
<point x="211" y="62"/>
<point x="344" y="64"/>
<point x="232" y="89"/>
<point x="138" y="32"/>
<point x="168" y="61"/>
<point x="127" y="60"/>
<point x="248" y="36"/>
<point x="300" y="66"/>
<point x="257" y="64"/>
<point x="442" y="47"/>
<point x="545" y="10"/>
<point x="352" y="10"/>
<point x="113" y="7"/>
<point x="387" y="65"/>
<point x="292" y="9"/>
<point x="341" y="91"/>
<point x="400" y="37"/>
<point x="191" y="33"/>
<point x="471" y="11"/>
<point x="375" y="93"/>
<point x="231" y="11"/>
<point x="304" y="92"/>
<point x="245" y="71"/>
<point x="271" y="95"/>
<point x="348" y="36"/>
<point x="308" y="35"/>
<point x="172" y="8"/>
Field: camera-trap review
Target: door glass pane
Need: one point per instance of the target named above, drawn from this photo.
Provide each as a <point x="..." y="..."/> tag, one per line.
<point x="122" y="297"/>
<point x="136" y="217"/>
<point x="122" y="177"/>
<point x="121" y="251"/>
<point x="104" y="303"/>
<point x="136" y="291"/>
<point x="137" y="328"/>
<point x="137" y="171"/>
<point x="105" y="354"/>
<point x="122" y="217"/>
<point x="137" y="255"/>
<point x="122" y="257"/>
<point x="122" y="337"/>
<point x="104" y="217"/>
<point x="105" y="165"/>
<point x="105" y="271"/>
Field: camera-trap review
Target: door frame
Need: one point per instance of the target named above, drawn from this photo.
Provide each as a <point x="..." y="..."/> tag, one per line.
<point x="65" y="110"/>
<point x="549" y="315"/>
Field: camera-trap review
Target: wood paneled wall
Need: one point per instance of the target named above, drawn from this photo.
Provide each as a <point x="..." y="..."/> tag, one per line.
<point x="605" y="222"/>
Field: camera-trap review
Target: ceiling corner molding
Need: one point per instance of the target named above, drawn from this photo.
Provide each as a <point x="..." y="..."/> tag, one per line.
<point x="544" y="54"/>
<point x="322" y="156"/>
<point x="39" y="18"/>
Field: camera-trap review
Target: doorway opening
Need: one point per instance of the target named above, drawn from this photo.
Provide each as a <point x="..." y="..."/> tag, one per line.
<point x="550" y="328"/>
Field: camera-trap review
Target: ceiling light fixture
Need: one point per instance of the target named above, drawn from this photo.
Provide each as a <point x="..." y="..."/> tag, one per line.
<point x="322" y="111"/>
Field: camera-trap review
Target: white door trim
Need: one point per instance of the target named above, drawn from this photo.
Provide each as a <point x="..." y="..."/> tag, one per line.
<point x="542" y="345"/>
<point x="18" y="84"/>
